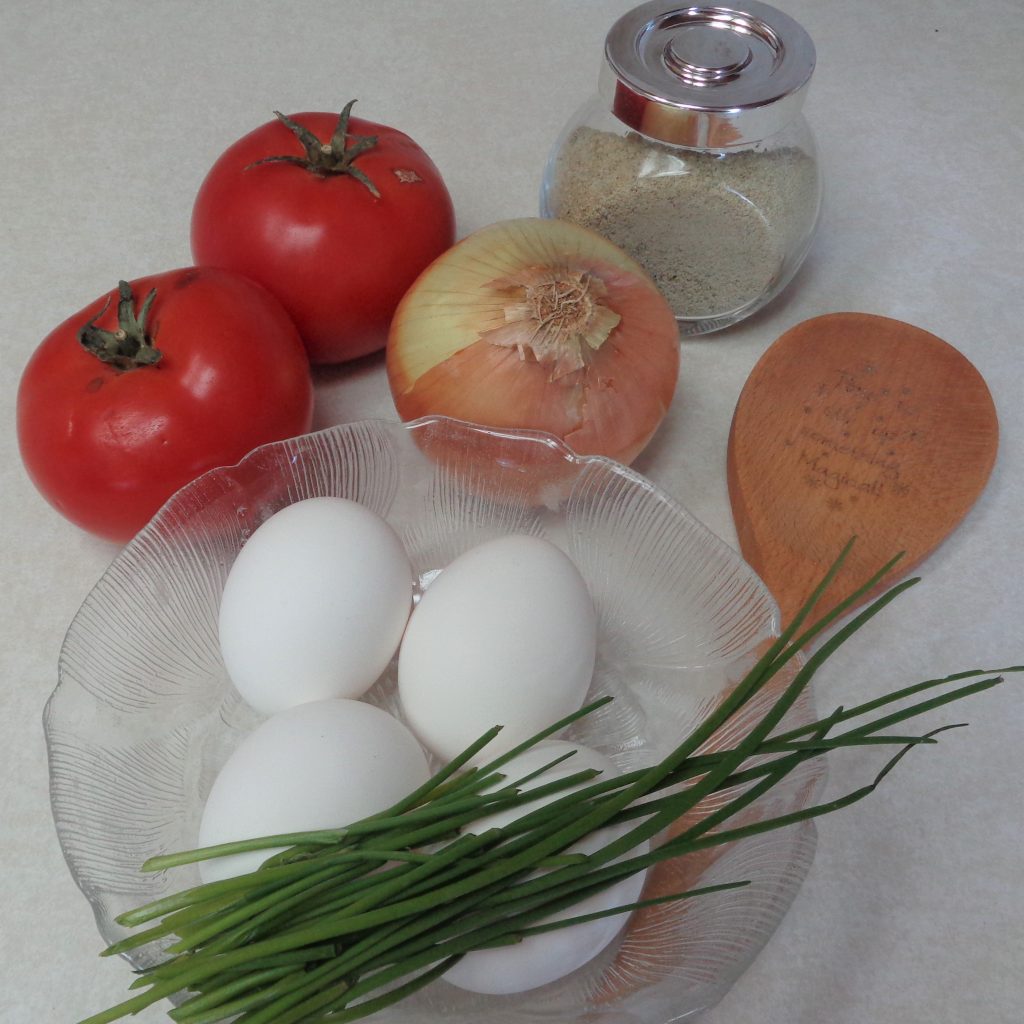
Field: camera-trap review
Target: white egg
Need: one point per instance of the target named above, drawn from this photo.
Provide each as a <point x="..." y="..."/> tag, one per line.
<point x="505" y="635"/>
<point x="314" y="605"/>
<point x="540" y="959"/>
<point x="319" y="765"/>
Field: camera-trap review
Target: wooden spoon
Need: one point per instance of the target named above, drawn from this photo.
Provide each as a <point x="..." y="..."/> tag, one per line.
<point x="852" y="424"/>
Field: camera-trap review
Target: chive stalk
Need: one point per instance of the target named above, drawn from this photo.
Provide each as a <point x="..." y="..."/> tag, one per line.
<point x="344" y="922"/>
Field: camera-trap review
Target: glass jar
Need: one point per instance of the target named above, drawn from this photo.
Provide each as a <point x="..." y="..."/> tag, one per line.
<point x="694" y="156"/>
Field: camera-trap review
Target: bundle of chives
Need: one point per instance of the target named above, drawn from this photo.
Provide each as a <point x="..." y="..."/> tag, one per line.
<point x="345" y="922"/>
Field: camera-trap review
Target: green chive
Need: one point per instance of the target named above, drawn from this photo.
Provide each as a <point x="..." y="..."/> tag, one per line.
<point x="339" y="924"/>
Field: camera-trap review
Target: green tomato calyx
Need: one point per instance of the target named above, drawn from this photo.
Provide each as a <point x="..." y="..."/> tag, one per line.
<point x="328" y="158"/>
<point x="129" y="347"/>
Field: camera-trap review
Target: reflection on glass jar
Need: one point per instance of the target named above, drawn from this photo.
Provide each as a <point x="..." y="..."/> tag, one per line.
<point x="721" y="226"/>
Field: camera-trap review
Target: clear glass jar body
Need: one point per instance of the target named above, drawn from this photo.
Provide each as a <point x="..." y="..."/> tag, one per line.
<point x="721" y="231"/>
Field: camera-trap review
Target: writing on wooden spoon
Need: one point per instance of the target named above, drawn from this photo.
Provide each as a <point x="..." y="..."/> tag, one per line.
<point x="853" y="424"/>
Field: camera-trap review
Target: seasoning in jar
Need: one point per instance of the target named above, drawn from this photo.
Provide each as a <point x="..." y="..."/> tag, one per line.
<point x="695" y="158"/>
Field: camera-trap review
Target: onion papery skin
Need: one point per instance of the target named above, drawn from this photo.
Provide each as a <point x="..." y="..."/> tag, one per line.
<point x="441" y="361"/>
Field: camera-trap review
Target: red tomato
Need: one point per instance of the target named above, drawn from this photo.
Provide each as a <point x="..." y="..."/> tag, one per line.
<point x="335" y="225"/>
<point x="107" y="445"/>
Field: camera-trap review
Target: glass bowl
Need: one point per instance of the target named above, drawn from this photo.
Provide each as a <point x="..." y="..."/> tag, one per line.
<point x="143" y="715"/>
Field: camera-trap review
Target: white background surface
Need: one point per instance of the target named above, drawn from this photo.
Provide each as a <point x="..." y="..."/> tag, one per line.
<point x="113" y="112"/>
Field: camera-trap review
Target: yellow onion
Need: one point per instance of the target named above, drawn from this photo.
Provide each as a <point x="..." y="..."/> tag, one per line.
<point x="542" y="325"/>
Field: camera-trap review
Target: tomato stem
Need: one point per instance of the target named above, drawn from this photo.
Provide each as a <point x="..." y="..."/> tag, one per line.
<point x="327" y="158"/>
<point x="129" y="347"/>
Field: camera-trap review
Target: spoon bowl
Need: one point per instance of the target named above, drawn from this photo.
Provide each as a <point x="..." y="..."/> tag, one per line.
<point x="855" y="425"/>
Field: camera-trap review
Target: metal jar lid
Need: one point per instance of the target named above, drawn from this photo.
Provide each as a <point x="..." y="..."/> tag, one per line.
<point x="707" y="76"/>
